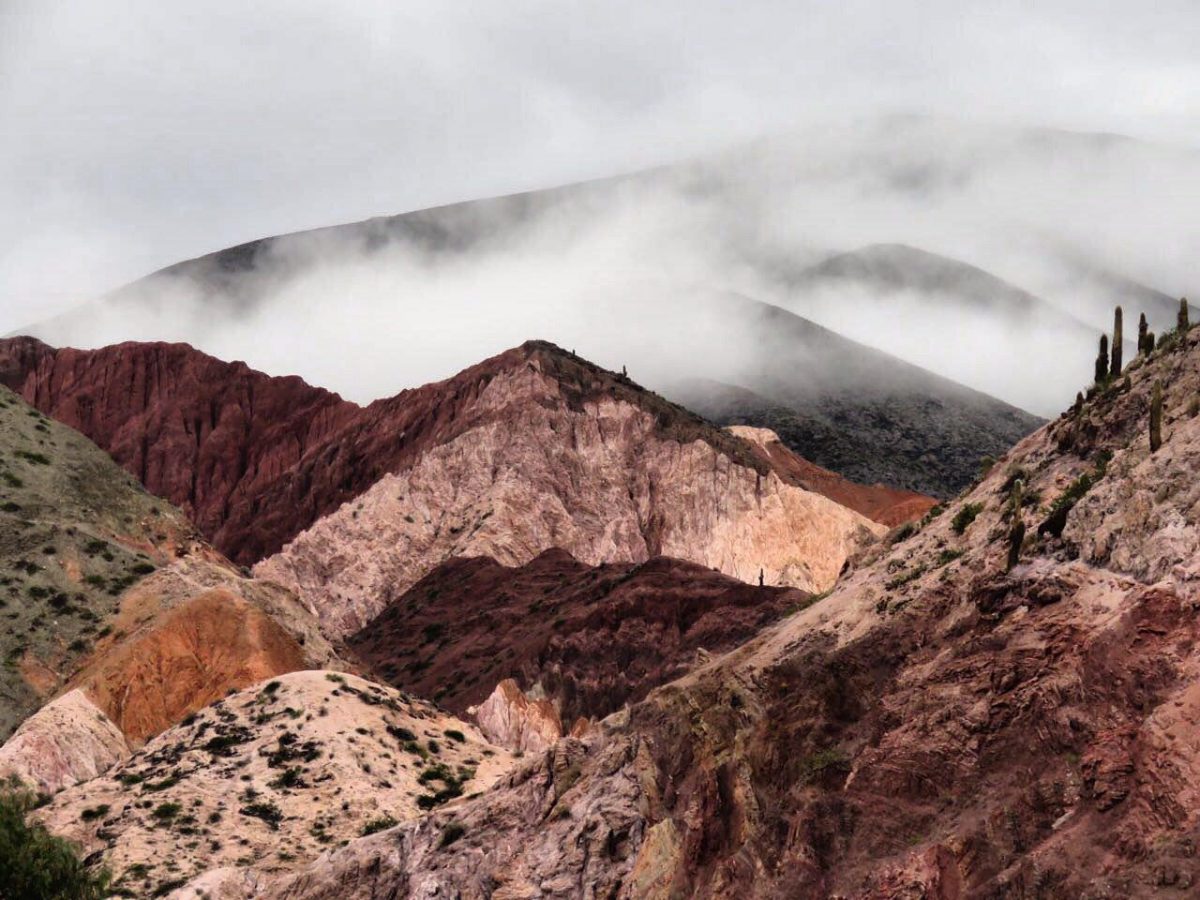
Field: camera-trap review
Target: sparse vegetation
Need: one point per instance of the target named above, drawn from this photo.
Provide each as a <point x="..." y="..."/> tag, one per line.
<point x="965" y="516"/>
<point x="451" y="833"/>
<point x="383" y="823"/>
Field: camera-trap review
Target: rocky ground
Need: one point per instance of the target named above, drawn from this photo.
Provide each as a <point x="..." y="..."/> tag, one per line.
<point x="273" y="776"/>
<point x="950" y="722"/>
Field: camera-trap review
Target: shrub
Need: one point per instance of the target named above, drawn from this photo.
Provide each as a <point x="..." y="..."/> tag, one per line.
<point x="383" y="823"/>
<point x="455" y="735"/>
<point x="965" y="516"/>
<point x="94" y="812"/>
<point x="451" y="833"/>
<point x="35" y="863"/>
<point x="271" y="814"/>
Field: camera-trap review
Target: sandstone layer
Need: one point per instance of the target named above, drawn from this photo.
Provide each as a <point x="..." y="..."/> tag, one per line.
<point x="878" y="502"/>
<point x="67" y="741"/>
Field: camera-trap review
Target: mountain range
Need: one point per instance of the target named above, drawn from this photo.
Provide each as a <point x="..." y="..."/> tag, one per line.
<point x="707" y="665"/>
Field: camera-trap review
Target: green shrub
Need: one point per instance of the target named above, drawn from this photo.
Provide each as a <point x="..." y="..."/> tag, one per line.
<point x="455" y="735"/>
<point x="165" y="812"/>
<point x="383" y="823"/>
<point x="965" y="516"/>
<point x="271" y="814"/>
<point x="35" y="863"/>
<point x="451" y="833"/>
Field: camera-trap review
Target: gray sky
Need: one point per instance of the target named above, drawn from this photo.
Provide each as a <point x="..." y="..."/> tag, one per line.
<point x="134" y="133"/>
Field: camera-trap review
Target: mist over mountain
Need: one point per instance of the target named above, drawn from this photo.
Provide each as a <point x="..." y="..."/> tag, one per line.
<point x="1021" y="243"/>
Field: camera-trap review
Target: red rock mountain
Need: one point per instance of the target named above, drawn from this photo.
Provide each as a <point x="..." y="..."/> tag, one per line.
<point x="590" y="638"/>
<point x="256" y="459"/>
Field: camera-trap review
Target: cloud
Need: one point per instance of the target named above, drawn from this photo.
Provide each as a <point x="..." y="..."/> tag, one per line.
<point x="140" y="133"/>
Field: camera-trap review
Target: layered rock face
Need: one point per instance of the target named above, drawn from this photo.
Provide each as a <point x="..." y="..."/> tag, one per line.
<point x="942" y="725"/>
<point x="584" y="467"/>
<point x="587" y="639"/>
<point x="255" y="459"/>
<point x="273" y="775"/>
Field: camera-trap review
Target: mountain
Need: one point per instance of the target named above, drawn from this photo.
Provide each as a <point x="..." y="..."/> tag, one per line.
<point x="532" y="449"/>
<point x="892" y="268"/>
<point x="587" y="638"/>
<point x="75" y="532"/>
<point x="852" y="409"/>
<point x="119" y="619"/>
<point x="559" y="453"/>
<point x="950" y="721"/>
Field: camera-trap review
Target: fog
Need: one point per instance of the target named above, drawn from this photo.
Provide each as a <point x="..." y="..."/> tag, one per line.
<point x="786" y="133"/>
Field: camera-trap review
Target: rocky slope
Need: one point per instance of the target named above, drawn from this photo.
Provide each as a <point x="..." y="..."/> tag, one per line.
<point x="273" y="775"/>
<point x="587" y="638"/>
<point x="75" y="531"/>
<point x="554" y="452"/>
<point x="942" y="725"/>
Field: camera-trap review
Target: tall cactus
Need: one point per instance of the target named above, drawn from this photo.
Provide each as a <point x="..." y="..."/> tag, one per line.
<point x="1143" y="328"/>
<point x="1016" y="531"/>
<point x="1118" y="344"/>
<point x="1181" y="321"/>
<point x="1156" y="405"/>
<point x="1102" y="360"/>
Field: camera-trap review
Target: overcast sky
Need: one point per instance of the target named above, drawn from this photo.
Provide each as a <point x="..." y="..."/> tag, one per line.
<point x="134" y="133"/>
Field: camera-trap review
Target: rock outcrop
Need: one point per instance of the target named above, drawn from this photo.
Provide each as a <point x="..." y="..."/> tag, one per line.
<point x="944" y="724"/>
<point x="273" y="776"/>
<point x="67" y="741"/>
<point x="514" y="720"/>
<point x="587" y="639"/>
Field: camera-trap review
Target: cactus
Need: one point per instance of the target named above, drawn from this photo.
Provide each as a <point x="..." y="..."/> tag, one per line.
<point x="1156" y="405"/>
<point x="1016" y="531"/>
<point x="1149" y="343"/>
<point x="1181" y="321"/>
<point x="1102" y="360"/>
<point x="1143" y="329"/>
<point x="1118" y="344"/>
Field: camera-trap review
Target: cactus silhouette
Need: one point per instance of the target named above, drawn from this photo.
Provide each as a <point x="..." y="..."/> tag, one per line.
<point x="1143" y="329"/>
<point x="1156" y="406"/>
<point x="1016" y="531"/>
<point x="1181" y="321"/>
<point x="1118" y="344"/>
<point x="1102" y="360"/>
